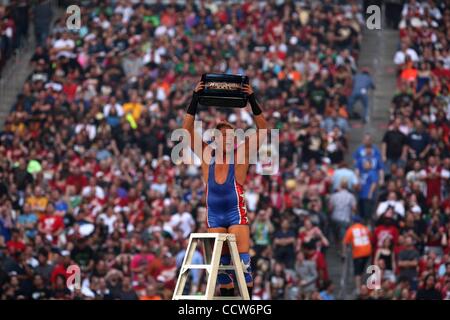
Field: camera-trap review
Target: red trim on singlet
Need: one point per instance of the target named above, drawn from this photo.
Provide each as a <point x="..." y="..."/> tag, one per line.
<point x="206" y="202"/>
<point x="241" y="203"/>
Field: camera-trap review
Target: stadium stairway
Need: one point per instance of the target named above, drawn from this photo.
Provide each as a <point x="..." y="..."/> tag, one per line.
<point x="377" y="53"/>
<point x="17" y="69"/>
<point x="13" y="76"/>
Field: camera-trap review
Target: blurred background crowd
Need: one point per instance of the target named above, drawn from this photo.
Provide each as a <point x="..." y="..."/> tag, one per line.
<point x="86" y="176"/>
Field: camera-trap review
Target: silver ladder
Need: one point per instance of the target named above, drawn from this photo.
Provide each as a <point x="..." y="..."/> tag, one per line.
<point x="212" y="266"/>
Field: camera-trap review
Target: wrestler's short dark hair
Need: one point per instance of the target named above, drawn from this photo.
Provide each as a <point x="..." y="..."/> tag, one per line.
<point x="224" y="124"/>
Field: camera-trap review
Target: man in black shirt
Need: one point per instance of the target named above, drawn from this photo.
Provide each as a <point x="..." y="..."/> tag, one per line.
<point x="404" y="97"/>
<point x="312" y="144"/>
<point x="83" y="255"/>
<point x="318" y="95"/>
<point x="127" y="292"/>
<point x="418" y="141"/>
<point x="429" y="292"/>
<point x="394" y="147"/>
<point x="39" y="291"/>
<point x="21" y="176"/>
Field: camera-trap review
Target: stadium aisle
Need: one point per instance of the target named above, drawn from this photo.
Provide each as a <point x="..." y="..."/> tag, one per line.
<point x="17" y="70"/>
<point x="377" y="51"/>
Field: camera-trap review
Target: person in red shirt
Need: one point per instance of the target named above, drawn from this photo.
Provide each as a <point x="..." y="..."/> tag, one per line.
<point x="15" y="245"/>
<point x="51" y="225"/>
<point x="434" y="176"/>
<point x="60" y="269"/>
<point x="141" y="261"/>
<point x="70" y="87"/>
<point x="76" y="179"/>
<point x="386" y="228"/>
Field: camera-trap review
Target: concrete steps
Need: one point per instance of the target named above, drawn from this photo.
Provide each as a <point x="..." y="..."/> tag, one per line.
<point x="377" y="52"/>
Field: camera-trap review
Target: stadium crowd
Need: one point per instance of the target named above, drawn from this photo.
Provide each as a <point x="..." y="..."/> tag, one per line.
<point x="86" y="176"/>
<point x="412" y="214"/>
<point x="15" y="20"/>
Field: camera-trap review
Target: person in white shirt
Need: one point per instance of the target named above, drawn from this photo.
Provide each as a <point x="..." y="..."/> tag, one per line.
<point x="63" y="47"/>
<point x="252" y="198"/>
<point x="125" y="9"/>
<point x="400" y="55"/>
<point x="109" y="219"/>
<point x="93" y="189"/>
<point x="113" y="103"/>
<point x="391" y="202"/>
<point x="182" y="220"/>
<point x="412" y="8"/>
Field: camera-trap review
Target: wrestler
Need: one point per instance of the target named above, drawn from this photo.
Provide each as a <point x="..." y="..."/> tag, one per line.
<point x="224" y="180"/>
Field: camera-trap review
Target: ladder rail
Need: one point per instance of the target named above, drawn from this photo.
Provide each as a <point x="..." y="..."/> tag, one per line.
<point x="187" y="260"/>
<point x="211" y="265"/>
<point x="239" y="272"/>
<point x="212" y="276"/>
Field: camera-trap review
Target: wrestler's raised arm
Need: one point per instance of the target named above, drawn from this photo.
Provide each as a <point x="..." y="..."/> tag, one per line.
<point x="189" y="118"/>
<point x="260" y="120"/>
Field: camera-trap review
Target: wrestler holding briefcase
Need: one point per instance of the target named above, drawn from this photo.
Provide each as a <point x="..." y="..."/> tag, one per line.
<point x="224" y="181"/>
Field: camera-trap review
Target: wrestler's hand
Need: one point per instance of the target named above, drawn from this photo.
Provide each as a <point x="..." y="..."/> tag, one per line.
<point x="247" y="89"/>
<point x="200" y="86"/>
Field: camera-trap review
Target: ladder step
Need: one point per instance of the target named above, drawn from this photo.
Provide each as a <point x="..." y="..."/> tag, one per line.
<point x="197" y="266"/>
<point x="212" y="269"/>
<point x="207" y="266"/>
<point x="190" y="297"/>
<point x="226" y="268"/>
<point x="217" y="236"/>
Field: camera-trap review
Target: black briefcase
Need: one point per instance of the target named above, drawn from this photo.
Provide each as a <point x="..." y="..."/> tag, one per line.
<point x="223" y="90"/>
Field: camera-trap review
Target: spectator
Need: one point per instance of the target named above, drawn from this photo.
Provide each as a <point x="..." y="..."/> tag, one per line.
<point x="358" y="236"/>
<point x="368" y="185"/>
<point x="344" y="173"/>
<point x="393" y="204"/>
<point x="394" y="146"/>
<point x="127" y="292"/>
<point x="262" y="229"/>
<point x="327" y="292"/>
<point x="403" y="52"/>
<point x="42" y="17"/>
<point x="284" y="241"/>
<point x="408" y="259"/>
<point x="342" y="205"/>
<point x="362" y="83"/>
<point x="386" y="254"/>
<point x="429" y="291"/>
<point x="418" y="142"/>
<point x="307" y="274"/>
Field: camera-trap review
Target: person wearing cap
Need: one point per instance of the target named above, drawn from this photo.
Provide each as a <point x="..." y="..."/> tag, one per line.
<point x="224" y="181"/>
<point x="358" y="237"/>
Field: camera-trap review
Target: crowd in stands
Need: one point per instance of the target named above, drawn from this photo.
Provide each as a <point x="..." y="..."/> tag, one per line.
<point x="86" y="177"/>
<point x="411" y="214"/>
<point x="16" y="18"/>
<point x="7" y="38"/>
